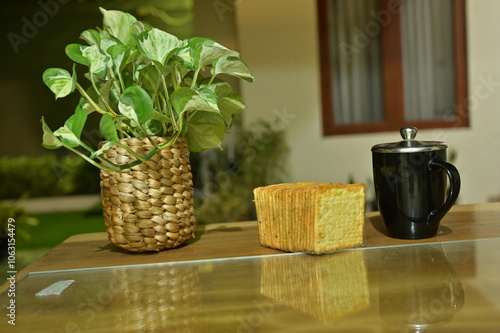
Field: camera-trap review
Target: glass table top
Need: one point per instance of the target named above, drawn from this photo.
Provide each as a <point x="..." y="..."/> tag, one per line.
<point x="434" y="287"/>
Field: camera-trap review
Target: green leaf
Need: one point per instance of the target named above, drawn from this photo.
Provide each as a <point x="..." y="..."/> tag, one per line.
<point x="76" y="122"/>
<point x="91" y="36"/>
<point x="228" y="119"/>
<point x="67" y="137"/>
<point x="233" y="66"/>
<point x="60" y="81"/>
<point x="105" y="147"/>
<point x="158" y="45"/>
<point x="149" y="76"/>
<point x="129" y="112"/>
<point x="108" y="128"/>
<point x="228" y="100"/>
<point x="119" y="54"/>
<point x="98" y="61"/>
<point x="141" y="26"/>
<point x="49" y="141"/>
<point x="107" y="41"/>
<point x="84" y="104"/>
<point x="160" y="117"/>
<point x="186" y="99"/>
<point x="128" y="80"/>
<point x="184" y="55"/>
<point x="136" y="104"/>
<point x="210" y="98"/>
<point x="107" y="93"/>
<point x="119" y="25"/>
<point x="153" y="127"/>
<point x="75" y="53"/>
<point x="204" y="50"/>
<point x="205" y="130"/>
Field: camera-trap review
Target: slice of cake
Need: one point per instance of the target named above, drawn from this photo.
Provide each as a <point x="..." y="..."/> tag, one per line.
<point x="311" y="217"/>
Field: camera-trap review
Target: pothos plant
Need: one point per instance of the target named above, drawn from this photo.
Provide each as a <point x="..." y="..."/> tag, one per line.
<point x="145" y="82"/>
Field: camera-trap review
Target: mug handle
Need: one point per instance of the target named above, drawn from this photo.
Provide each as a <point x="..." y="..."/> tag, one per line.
<point x="454" y="178"/>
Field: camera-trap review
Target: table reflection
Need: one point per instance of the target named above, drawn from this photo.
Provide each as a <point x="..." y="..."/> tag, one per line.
<point x="161" y="298"/>
<point x="418" y="287"/>
<point x="328" y="287"/>
<point x="432" y="287"/>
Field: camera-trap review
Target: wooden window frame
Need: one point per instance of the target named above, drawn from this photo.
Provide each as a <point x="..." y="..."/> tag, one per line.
<point x="393" y="93"/>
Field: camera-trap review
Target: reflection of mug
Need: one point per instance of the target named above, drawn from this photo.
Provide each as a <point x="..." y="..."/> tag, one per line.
<point x="418" y="287"/>
<point x="410" y="185"/>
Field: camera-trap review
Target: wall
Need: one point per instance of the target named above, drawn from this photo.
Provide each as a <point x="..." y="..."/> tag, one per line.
<point x="278" y="39"/>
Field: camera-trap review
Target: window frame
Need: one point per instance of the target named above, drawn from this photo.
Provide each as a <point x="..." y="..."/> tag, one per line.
<point x="393" y="94"/>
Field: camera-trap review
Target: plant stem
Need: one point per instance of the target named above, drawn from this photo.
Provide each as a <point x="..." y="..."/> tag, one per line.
<point x="93" y="84"/>
<point x="99" y="93"/>
<point x="167" y="102"/>
<point x="100" y="96"/>
<point x="150" y="139"/>
<point x="169" y="143"/>
<point x="102" y="159"/>
<point x="195" y="78"/>
<point x="112" y="167"/>
<point x="89" y="99"/>
<point x="153" y="143"/>
<point x="175" y="82"/>
<point x="120" y="79"/>
<point x="133" y="153"/>
<point x="211" y="80"/>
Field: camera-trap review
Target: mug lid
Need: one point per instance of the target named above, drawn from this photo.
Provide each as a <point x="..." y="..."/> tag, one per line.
<point x="409" y="144"/>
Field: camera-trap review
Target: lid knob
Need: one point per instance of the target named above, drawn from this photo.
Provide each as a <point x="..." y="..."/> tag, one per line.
<point x="408" y="133"/>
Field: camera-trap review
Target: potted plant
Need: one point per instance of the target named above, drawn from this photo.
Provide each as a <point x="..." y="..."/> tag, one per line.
<point x="157" y="98"/>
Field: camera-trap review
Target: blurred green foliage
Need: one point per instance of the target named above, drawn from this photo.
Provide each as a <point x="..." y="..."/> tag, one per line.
<point x="19" y="222"/>
<point x="45" y="176"/>
<point x="257" y="157"/>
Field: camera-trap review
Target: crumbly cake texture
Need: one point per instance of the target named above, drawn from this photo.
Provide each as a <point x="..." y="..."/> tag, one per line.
<point x="311" y="217"/>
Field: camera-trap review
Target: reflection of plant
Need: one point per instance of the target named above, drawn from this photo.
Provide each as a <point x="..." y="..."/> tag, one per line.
<point x="258" y="158"/>
<point x="144" y="82"/>
<point x="19" y="219"/>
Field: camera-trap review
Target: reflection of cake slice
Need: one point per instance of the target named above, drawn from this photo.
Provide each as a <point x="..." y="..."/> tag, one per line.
<point x="328" y="287"/>
<point x="311" y="217"/>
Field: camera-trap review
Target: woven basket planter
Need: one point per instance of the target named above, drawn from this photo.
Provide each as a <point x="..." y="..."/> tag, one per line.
<point x="149" y="207"/>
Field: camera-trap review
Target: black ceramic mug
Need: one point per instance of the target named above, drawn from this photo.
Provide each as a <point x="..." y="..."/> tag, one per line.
<point x="411" y="187"/>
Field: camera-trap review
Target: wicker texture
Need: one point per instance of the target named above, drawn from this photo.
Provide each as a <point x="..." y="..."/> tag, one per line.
<point x="162" y="298"/>
<point x="149" y="207"/>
